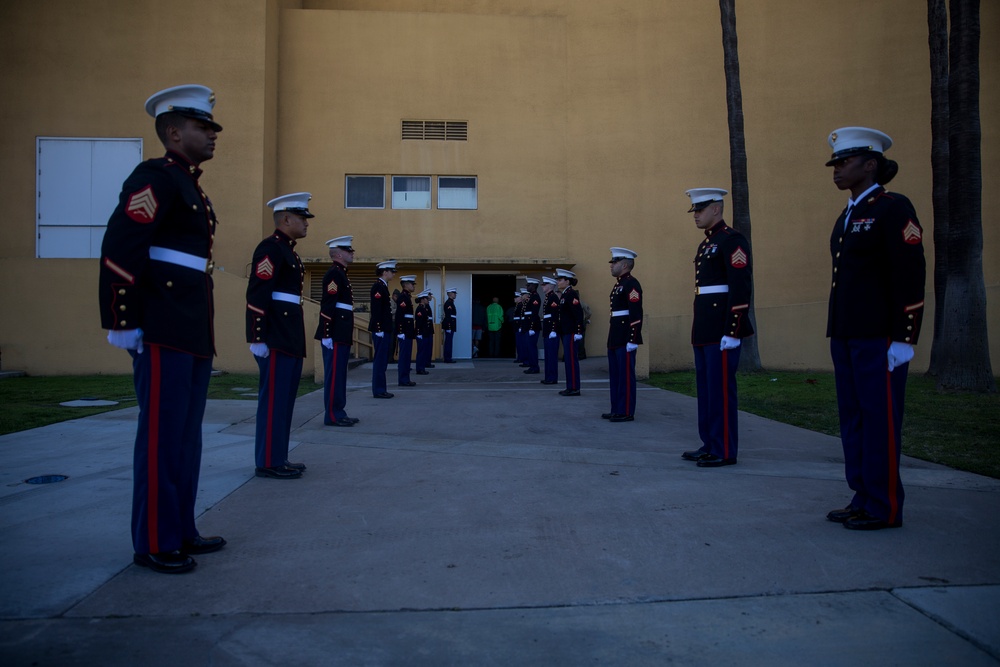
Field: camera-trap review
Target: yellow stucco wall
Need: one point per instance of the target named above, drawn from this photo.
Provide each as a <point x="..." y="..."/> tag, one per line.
<point x="587" y="121"/>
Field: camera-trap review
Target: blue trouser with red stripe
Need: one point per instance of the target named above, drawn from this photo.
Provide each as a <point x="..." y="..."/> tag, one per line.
<point x="571" y="361"/>
<point x="870" y="400"/>
<point x="171" y="388"/>
<point x="335" y="381"/>
<point x="621" y="370"/>
<point x="449" y="339"/>
<point x="380" y="362"/>
<point x="279" y="383"/>
<point x="531" y="350"/>
<point x="715" y="379"/>
<point x="552" y="359"/>
<point x="403" y="362"/>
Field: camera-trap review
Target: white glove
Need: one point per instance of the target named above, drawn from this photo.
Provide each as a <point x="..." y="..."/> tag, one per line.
<point x="899" y="354"/>
<point x="631" y="347"/>
<point x="553" y="335"/>
<point x="420" y="337"/>
<point x="327" y="343"/>
<point x="260" y="350"/>
<point x="729" y="343"/>
<point x="380" y="334"/>
<point x="531" y="332"/>
<point x="401" y="336"/>
<point x="577" y="336"/>
<point x="126" y="339"/>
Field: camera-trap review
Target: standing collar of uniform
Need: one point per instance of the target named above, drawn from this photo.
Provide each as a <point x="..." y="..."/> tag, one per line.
<point x="627" y="274"/>
<point x="343" y="266"/>
<point x="191" y="168"/>
<point x="718" y="227"/>
<point x="855" y="202"/>
<point x="282" y="236"/>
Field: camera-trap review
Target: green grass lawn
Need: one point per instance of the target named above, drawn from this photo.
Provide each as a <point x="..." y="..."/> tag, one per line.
<point x="29" y="402"/>
<point x="960" y="430"/>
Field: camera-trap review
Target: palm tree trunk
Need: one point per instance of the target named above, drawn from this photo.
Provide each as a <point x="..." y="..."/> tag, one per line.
<point x="965" y="343"/>
<point x="937" y="40"/>
<point x="750" y="355"/>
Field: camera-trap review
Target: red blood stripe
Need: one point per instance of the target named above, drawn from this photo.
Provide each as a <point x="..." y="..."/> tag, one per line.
<point x="725" y="404"/>
<point x="333" y="380"/>
<point x="270" y="409"/>
<point x="893" y="480"/>
<point x="153" y="451"/>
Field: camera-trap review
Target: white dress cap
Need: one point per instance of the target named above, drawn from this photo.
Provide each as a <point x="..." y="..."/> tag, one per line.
<point x="565" y="273"/>
<point x="848" y="141"/>
<point x="622" y="253"/>
<point x="422" y="295"/>
<point x="451" y="290"/>
<point x="190" y="100"/>
<point x="531" y="281"/>
<point x="297" y="202"/>
<point x="548" y="280"/>
<point x="702" y="197"/>
<point x="343" y="242"/>
<point x="517" y="294"/>
<point x="408" y="279"/>
<point x="524" y="290"/>
<point x="390" y="264"/>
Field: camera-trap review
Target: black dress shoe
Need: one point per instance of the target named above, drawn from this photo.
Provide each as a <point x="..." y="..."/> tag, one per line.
<point x="840" y="516"/>
<point x="865" y="521"/>
<point x="202" y="545"/>
<point x="384" y="394"/>
<point x="278" y="472"/>
<point x="550" y="381"/>
<point x="430" y="365"/>
<point x="295" y="466"/>
<point x="711" y="461"/>
<point x="609" y="415"/>
<point x="407" y="384"/>
<point x="696" y="455"/>
<point x="422" y="373"/>
<point x="353" y="419"/>
<point x="343" y="421"/>
<point x="532" y="372"/>
<point x="169" y="562"/>
<point x="569" y="392"/>
<point x="621" y="418"/>
<point x="524" y="365"/>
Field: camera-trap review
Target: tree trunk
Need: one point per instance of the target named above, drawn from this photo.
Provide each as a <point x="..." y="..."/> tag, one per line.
<point x="965" y="362"/>
<point x="750" y="355"/>
<point x="937" y="40"/>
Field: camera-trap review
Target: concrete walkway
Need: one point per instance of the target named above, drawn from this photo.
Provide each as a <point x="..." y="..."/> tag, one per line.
<point x="479" y="518"/>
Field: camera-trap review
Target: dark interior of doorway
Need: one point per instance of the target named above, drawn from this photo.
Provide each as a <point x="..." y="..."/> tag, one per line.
<point x="484" y="288"/>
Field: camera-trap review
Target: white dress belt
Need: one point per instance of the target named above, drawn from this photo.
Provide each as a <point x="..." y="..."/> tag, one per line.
<point x="619" y="313"/>
<point x="409" y="317"/>
<point x="179" y="258"/>
<point x="286" y="296"/>
<point x="545" y="317"/>
<point x="711" y="289"/>
<point x="345" y="306"/>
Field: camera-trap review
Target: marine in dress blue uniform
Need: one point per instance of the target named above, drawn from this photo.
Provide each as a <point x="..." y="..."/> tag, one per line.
<point x="276" y="332"/>
<point x="423" y="323"/>
<point x="380" y="326"/>
<point x="570" y="329"/>
<point x="405" y="330"/>
<point x="550" y="329"/>
<point x="449" y="324"/>
<point x="155" y="296"/>
<point x="875" y="312"/>
<point x="723" y="282"/>
<point x="336" y="331"/>
<point x="624" y="335"/>
<point x="531" y="324"/>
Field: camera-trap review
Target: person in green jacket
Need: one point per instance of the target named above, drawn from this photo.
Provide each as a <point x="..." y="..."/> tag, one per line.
<point x="494" y="323"/>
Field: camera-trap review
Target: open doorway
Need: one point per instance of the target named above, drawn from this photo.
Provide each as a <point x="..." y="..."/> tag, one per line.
<point x="484" y="288"/>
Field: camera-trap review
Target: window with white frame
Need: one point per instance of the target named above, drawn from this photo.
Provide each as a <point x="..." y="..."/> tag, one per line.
<point x="364" y="192"/>
<point x="458" y="192"/>
<point x="78" y="182"/>
<point x="411" y="192"/>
